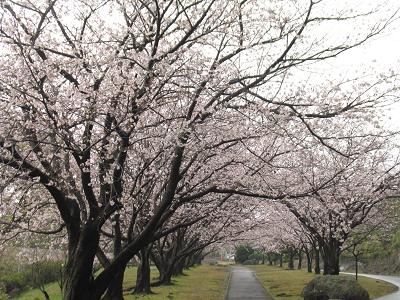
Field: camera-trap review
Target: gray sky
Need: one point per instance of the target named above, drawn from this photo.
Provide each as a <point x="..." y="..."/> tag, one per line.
<point x="383" y="53"/>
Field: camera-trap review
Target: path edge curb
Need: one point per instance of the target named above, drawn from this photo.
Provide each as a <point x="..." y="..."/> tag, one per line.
<point x="265" y="290"/>
<point x="228" y="283"/>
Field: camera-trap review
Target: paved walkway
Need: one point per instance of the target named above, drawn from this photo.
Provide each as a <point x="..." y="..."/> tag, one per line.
<point x="244" y="285"/>
<point x="392" y="279"/>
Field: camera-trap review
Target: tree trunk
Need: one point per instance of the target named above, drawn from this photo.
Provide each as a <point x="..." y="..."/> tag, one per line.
<point x="291" y="262"/>
<point x="189" y="261"/>
<point x="165" y="274"/>
<point x="44" y="292"/>
<point x="280" y="260"/>
<point x="317" y="268"/>
<point x="115" y="288"/>
<point x="164" y="266"/>
<point x="356" y="256"/>
<point x="178" y="267"/>
<point x="78" y="277"/>
<point x="198" y="258"/>
<point x="330" y="255"/>
<point x="300" y="256"/>
<point x="309" y="261"/>
<point x="143" y="273"/>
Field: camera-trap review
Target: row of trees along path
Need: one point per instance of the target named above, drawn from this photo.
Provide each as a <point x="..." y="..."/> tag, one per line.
<point x="155" y="129"/>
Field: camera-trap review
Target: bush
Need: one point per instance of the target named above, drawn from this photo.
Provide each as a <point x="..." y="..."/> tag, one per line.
<point x="8" y="265"/>
<point x="15" y="282"/>
<point x="243" y="253"/>
<point x="334" y="287"/>
<point x="256" y="256"/>
<point x="45" y="272"/>
<point x="33" y="275"/>
<point x="3" y="295"/>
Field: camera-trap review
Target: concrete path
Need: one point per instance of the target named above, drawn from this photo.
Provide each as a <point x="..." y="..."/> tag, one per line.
<point x="391" y="279"/>
<point x="244" y="285"/>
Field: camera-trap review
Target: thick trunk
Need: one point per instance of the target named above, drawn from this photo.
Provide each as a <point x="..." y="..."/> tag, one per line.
<point x="164" y="266"/>
<point x="166" y="273"/>
<point x="281" y="260"/>
<point x="291" y="262"/>
<point x="78" y="277"/>
<point x="143" y="273"/>
<point x="199" y="258"/>
<point x="300" y="257"/>
<point x="194" y="259"/>
<point x="317" y="268"/>
<point x="178" y="267"/>
<point x="189" y="262"/>
<point x="115" y="288"/>
<point x="144" y="238"/>
<point x="309" y="261"/>
<point x="330" y="255"/>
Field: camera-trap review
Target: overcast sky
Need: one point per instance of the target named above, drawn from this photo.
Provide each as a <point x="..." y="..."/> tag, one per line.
<point x="383" y="52"/>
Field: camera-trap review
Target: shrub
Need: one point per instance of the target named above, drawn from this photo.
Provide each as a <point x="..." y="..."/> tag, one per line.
<point x="334" y="287"/>
<point x="8" y="264"/>
<point x="33" y="275"/>
<point x="3" y="295"/>
<point x="16" y="281"/>
<point x="256" y="255"/>
<point x="45" y="272"/>
<point x="243" y="253"/>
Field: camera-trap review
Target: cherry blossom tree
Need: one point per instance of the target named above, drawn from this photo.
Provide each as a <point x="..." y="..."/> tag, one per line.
<point x="95" y="94"/>
<point x="350" y="199"/>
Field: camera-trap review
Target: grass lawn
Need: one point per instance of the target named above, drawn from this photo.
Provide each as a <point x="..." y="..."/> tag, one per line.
<point x="287" y="285"/>
<point x="201" y="283"/>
